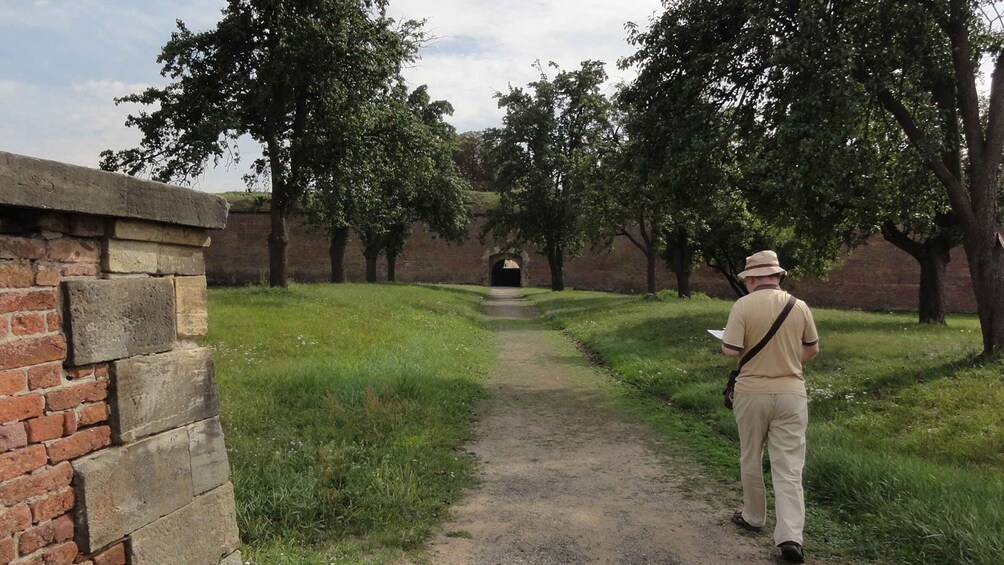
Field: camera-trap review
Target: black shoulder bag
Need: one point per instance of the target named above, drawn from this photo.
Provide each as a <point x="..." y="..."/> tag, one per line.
<point x="730" y="389"/>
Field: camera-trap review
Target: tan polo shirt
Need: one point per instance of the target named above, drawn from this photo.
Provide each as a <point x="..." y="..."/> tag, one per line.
<point x="777" y="369"/>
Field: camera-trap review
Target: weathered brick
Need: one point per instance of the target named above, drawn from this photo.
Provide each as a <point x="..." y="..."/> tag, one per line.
<point x="7" y="553"/>
<point x="101" y="372"/>
<point x="71" y="250"/>
<point x="62" y="554"/>
<point x="20" y="489"/>
<point x="77" y="373"/>
<point x="70" y="422"/>
<point x="45" y="376"/>
<point x="12" y="382"/>
<point x="12" y="436"/>
<point x="53" y="221"/>
<point x="4" y="327"/>
<point x="14" y="520"/>
<point x="47" y="275"/>
<point x="35" y="538"/>
<point x="63" y="527"/>
<point x="12" y="247"/>
<point x="31" y="300"/>
<point x="18" y="408"/>
<point x="92" y="414"/>
<point x="72" y="396"/>
<point x="80" y="443"/>
<point x="52" y="321"/>
<point x="15" y="274"/>
<point x="114" y="555"/>
<point x="80" y="270"/>
<point x="35" y="559"/>
<point x="34" y="351"/>
<point x="52" y="505"/>
<point x="21" y="461"/>
<point x="28" y="323"/>
<point x="45" y="428"/>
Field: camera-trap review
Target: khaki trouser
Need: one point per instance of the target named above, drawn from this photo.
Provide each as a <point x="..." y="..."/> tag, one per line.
<point x="779" y="420"/>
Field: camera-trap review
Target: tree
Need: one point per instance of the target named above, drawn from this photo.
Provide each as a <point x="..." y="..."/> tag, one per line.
<point x="263" y="71"/>
<point x="413" y="178"/>
<point x="469" y="156"/>
<point x="543" y="157"/>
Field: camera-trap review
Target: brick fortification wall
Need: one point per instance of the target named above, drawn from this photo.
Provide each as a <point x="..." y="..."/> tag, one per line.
<point x="111" y="449"/>
<point x="875" y="276"/>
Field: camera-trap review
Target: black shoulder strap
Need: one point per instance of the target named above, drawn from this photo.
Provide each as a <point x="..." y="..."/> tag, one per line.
<point x="770" y="333"/>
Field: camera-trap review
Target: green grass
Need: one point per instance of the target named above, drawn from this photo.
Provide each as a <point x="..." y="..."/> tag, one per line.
<point x="343" y="407"/>
<point x="906" y="441"/>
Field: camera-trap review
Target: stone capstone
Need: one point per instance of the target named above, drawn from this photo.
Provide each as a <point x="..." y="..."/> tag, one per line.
<point x="192" y="302"/>
<point x="112" y="319"/>
<point x="50" y="185"/>
<point x="210" y="466"/>
<point x="123" y="489"/>
<point x="154" y="393"/>
<point x="122" y="256"/>
<point x="170" y="540"/>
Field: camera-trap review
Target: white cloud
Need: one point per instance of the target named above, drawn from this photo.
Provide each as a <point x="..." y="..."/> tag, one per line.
<point x="485" y="46"/>
<point x="510" y="36"/>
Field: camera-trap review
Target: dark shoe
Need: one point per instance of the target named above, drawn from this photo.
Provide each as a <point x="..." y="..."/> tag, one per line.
<point x="792" y="552"/>
<point x="737" y="519"/>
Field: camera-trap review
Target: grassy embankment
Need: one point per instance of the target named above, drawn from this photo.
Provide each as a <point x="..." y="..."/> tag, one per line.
<point x="906" y="442"/>
<point x="343" y="407"/>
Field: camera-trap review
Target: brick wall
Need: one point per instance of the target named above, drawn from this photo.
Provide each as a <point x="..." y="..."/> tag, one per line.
<point x="111" y="451"/>
<point x="875" y="276"/>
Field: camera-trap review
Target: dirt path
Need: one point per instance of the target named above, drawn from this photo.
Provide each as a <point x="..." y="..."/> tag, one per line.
<point x="566" y="480"/>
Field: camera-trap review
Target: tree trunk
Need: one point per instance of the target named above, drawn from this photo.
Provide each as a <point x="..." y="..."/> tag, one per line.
<point x="683" y="284"/>
<point x="391" y="268"/>
<point x="339" y="238"/>
<point x="371" y="253"/>
<point x="986" y="267"/>
<point x="556" y="260"/>
<point x="931" y="305"/>
<point x="933" y="256"/>
<point x="650" y="261"/>
<point x="278" y="240"/>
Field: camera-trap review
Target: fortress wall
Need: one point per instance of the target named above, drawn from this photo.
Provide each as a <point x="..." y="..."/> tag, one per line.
<point x="111" y="450"/>
<point x="875" y="276"/>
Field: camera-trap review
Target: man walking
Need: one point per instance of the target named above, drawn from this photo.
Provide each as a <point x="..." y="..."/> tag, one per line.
<point x="770" y="401"/>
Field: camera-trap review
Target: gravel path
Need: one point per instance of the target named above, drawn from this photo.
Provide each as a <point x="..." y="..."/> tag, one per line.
<point x="568" y="480"/>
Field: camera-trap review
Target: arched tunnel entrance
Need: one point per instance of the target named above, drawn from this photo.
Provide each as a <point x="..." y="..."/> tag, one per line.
<point x="507" y="272"/>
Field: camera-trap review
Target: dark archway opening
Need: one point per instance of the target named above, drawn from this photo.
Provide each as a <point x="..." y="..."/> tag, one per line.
<point x="507" y="272"/>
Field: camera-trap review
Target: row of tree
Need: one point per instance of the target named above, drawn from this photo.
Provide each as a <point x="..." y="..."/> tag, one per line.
<point x="806" y="127"/>
<point x="317" y="83"/>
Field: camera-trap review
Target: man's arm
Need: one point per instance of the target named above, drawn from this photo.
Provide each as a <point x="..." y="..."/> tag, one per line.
<point x="731" y="351"/>
<point x="809" y="352"/>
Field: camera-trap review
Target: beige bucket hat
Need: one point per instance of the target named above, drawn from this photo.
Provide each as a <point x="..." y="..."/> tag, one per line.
<point x="762" y="264"/>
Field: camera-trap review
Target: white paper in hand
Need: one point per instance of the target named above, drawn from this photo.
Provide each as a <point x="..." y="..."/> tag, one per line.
<point x="720" y="334"/>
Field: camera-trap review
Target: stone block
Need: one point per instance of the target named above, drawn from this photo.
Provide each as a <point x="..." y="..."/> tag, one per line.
<point x="180" y="260"/>
<point x="123" y="256"/>
<point x="38" y="183"/>
<point x="210" y="466"/>
<point x="154" y="393"/>
<point x="193" y="303"/>
<point x="112" y="319"/>
<point x="212" y="515"/>
<point x="130" y="256"/>
<point x="161" y="233"/>
<point x="123" y="489"/>
<point x="232" y="559"/>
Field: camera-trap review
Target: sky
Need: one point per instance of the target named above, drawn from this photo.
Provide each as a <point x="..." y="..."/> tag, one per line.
<point x="64" y="62"/>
